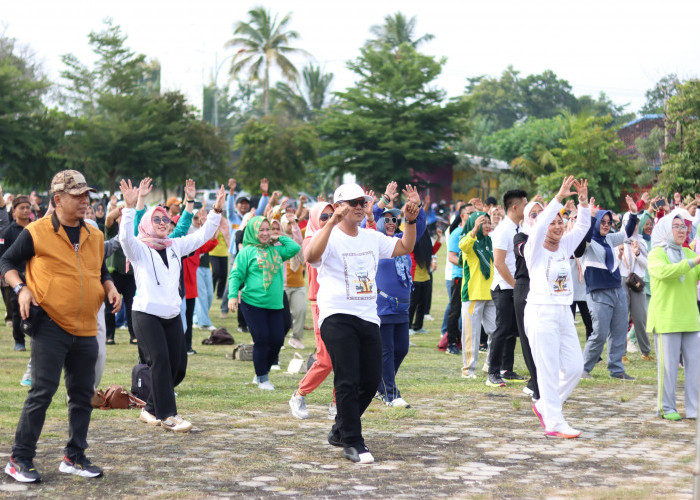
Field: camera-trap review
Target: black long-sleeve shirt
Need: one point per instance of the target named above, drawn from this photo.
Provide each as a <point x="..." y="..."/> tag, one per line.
<point x="15" y="257"/>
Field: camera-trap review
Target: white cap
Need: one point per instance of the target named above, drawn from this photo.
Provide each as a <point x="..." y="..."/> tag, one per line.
<point x="350" y="191"/>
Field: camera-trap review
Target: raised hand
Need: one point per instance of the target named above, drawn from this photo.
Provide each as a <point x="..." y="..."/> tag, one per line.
<point x="478" y="223"/>
<point x="570" y="206"/>
<point x="339" y="214"/>
<point x="477" y="203"/>
<point x="145" y="187"/>
<point x="113" y="200"/>
<point x="275" y="195"/>
<point x="410" y="211"/>
<point x="391" y="191"/>
<point x="369" y="207"/>
<point x="594" y="207"/>
<point x="264" y="185"/>
<point x="411" y="194"/>
<point x="302" y="200"/>
<point x="565" y="189"/>
<point x="631" y="204"/>
<point x="190" y="189"/>
<point x="538" y="198"/>
<point x="129" y="193"/>
<point x="581" y="187"/>
<point x="232" y="185"/>
<point x="321" y="198"/>
<point x="220" y="199"/>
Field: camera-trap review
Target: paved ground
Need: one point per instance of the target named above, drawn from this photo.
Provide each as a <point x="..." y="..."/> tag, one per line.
<point x="483" y="446"/>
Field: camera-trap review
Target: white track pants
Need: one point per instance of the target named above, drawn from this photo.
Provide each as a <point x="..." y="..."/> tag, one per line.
<point x="558" y="358"/>
<point x="474" y="314"/>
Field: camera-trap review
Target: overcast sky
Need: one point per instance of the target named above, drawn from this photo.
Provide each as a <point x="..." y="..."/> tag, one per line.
<point x="619" y="47"/>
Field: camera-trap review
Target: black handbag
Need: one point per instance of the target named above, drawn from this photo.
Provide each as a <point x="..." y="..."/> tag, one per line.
<point x="635" y="283"/>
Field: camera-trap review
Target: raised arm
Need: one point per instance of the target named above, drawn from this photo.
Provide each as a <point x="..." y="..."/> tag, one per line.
<point x="314" y="249"/>
<point x="132" y="247"/>
<point x="408" y="239"/>
<point x="192" y="242"/>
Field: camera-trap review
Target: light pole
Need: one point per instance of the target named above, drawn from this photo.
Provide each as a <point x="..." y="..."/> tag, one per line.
<point x="216" y="85"/>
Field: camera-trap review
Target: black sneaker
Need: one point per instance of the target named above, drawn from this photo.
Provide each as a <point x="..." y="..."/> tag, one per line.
<point x="623" y="376"/>
<point x="512" y="376"/>
<point x="495" y="380"/>
<point x="359" y="455"/>
<point x="453" y="349"/>
<point x="22" y="470"/>
<point x="81" y="466"/>
<point x="334" y="439"/>
<point x="190" y="352"/>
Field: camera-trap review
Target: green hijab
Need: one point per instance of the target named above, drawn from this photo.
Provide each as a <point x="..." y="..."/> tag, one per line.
<point x="482" y="246"/>
<point x="269" y="260"/>
<point x="642" y="222"/>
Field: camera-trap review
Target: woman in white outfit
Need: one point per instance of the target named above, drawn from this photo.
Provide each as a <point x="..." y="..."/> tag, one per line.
<point x="548" y="321"/>
<point x="157" y="261"/>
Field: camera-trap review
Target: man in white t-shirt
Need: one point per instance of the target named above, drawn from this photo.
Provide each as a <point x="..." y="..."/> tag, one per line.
<point x="346" y="257"/>
<point x="503" y="340"/>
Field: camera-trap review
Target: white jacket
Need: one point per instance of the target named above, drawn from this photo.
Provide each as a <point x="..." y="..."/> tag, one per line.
<point x="157" y="286"/>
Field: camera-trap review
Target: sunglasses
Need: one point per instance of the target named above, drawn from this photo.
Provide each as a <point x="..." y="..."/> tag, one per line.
<point x="161" y="220"/>
<point x="325" y="217"/>
<point x="354" y="203"/>
<point x="605" y="222"/>
<point x="392" y="220"/>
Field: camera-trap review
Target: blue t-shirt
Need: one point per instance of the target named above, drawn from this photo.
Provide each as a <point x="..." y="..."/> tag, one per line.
<point x="453" y="246"/>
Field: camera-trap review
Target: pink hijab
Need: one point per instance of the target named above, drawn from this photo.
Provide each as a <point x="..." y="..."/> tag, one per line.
<point x="314" y="218"/>
<point x="147" y="233"/>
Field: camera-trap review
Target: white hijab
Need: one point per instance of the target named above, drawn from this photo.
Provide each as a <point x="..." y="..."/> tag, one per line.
<point x="662" y="236"/>
<point x="527" y="221"/>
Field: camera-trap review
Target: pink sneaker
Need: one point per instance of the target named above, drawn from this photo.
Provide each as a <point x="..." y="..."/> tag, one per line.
<point x="538" y="415"/>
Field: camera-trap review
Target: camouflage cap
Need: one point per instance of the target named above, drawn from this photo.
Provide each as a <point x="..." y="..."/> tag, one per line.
<point x="71" y="182"/>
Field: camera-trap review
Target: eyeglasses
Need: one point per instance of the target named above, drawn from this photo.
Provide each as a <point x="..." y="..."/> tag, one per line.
<point x="354" y="203"/>
<point x="392" y="220"/>
<point x="161" y="220"/>
<point x="324" y="217"/>
<point x="605" y="222"/>
<point x="678" y="227"/>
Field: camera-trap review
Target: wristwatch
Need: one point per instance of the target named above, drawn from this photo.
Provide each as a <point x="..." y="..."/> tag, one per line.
<point x="411" y="221"/>
<point x="17" y="288"/>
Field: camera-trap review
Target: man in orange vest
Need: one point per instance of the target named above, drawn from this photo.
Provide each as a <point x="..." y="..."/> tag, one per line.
<point x="66" y="282"/>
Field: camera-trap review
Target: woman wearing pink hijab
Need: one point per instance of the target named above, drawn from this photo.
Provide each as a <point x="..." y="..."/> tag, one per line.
<point x="157" y="261"/>
<point x="318" y="217"/>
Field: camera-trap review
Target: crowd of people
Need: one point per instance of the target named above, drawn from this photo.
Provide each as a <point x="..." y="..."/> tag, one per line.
<point x="364" y="264"/>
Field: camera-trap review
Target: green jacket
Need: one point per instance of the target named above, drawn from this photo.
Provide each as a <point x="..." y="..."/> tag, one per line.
<point x="673" y="306"/>
<point x="246" y="270"/>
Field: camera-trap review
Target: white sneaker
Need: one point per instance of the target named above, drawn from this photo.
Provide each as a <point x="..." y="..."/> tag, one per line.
<point x="296" y="344"/>
<point x="411" y="331"/>
<point x="428" y="317"/>
<point x="176" y="424"/>
<point x="266" y="386"/>
<point x="275" y="367"/>
<point x="398" y="403"/>
<point x="469" y="375"/>
<point x="298" y="406"/>
<point x="149" y="418"/>
<point x="210" y="327"/>
<point x="631" y="347"/>
<point x="528" y="391"/>
<point x="255" y="379"/>
<point x="485" y="368"/>
<point x="332" y="411"/>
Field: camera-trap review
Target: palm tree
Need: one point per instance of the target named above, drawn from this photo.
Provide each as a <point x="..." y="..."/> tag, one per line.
<point x="263" y="41"/>
<point x="305" y="98"/>
<point x="397" y="30"/>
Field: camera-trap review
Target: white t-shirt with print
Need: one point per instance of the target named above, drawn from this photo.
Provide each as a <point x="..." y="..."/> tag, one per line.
<point x="347" y="271"/>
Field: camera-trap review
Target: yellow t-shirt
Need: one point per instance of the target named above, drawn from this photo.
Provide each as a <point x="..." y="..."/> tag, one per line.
<point x="221" y="250"/>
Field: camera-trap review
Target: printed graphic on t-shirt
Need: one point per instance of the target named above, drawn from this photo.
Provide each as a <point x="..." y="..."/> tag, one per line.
<point x="558" y="274"/>
<point x="359" y="270"/>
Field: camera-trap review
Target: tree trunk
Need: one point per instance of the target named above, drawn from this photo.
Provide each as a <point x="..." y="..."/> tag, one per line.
<point x="266" y="89"/>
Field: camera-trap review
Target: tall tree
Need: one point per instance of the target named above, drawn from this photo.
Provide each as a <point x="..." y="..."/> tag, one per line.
<point x="589" y="148"/>
<point x="394" y="121"/>
<point x="29" y="132"/>
<point x="303" y="100"/>
<point x="681" y="170"/>
<point x="397" y="30"/>
<point x="658" y="96"/>
<point x="263" y="41"/>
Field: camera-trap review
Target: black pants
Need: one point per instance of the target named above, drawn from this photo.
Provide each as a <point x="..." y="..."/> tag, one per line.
<point x="585" y="315"/>
<point x="219" y="274"/>
<point x="453" y="333"/>
<point x="53" y="350"/>
<point x="126" y="286"/>
<point x="16" y="317"/>
<point x="162" y="343"/>
<point x="420" y="303"/>
<point x="189" y="313"/>
<point x="503" y="340"/>
<point x="519" y="299"/>
<point x="267" y="329"/>
<point x="355" y="348"/>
